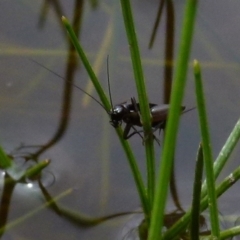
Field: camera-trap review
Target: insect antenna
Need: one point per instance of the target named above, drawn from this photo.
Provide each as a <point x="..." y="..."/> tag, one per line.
<point x="188" y="110"/>
<point x="109" y="87"/>
<point x="74" y="85"/>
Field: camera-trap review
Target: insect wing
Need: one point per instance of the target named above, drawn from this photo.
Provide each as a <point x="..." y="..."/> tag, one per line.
<point x="151" y="105"/>
<point x="159" y="113"/>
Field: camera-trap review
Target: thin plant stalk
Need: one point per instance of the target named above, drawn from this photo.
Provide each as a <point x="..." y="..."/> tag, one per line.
<point x="230" y="233"/>
<point x="5" y="161"/>
<point x="227" y="149"/>
<point x="78" y="218"/>
<point x="194" y="229"/>
<point x="32" y="213"/>
<point x="225" y="153"/>
<point x="128" y="151"/>
<point x="142" y="95"/>
<point x="86" y="64"/>
<point x="36" y="169"/>
<point x="207" y="152"/>
<point x="173" y="121"/>
<point x="182" y="223"/>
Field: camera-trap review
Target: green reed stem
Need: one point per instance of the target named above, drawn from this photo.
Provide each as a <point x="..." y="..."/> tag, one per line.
<point x="182" y="223"/>
<point x="128" y="151"/>
<point x="142" y="95"/>
<point x="230" y="233"/>
<point x="207" y="151"/>
<point x="36" y="169"/>
<point x="13" y="223"/>
<point x="86" y="64"/>
<point x="194" y="230"/>
<point x="5" y="161"/>
<point x="173" y="121"/>
<point x="225" y="153"/>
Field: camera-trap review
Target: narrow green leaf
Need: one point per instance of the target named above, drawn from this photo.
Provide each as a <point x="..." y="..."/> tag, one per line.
<point x="142" y="96"/>
<point x="5" y="161"/>
<point x="15" y="222"/>
<point x="86" y="64"/>
<point x="225" y="153"/>
<point x="182" y="223"/>
<point x="36" y="169"/>
<point x="194" y="229"/>
<point x="230" y="233"/>
<point x="207" y="151"/>
<point x="128" y="151"/>
<point x="179" y="82"/>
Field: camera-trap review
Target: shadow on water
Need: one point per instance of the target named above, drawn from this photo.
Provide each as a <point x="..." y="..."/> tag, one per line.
<point x="167" y="11"/>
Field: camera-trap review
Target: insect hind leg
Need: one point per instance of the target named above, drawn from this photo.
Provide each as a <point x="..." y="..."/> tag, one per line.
<point x="143" y="138"/>
<point x="160" y="126"/>
<point x="127" y="135"/>
<point x="154" y="137"/>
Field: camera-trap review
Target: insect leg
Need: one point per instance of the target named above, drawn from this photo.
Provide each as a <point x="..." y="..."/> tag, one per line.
<point x="159" y="127"/>
<point x="134" y="103"/>
<point x="144" y="138"/>
<point x="127" y="129"/>
<point x="154" y="137"/>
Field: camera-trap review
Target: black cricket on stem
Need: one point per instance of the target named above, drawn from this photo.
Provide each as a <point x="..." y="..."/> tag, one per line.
<point x="129" y="112"/>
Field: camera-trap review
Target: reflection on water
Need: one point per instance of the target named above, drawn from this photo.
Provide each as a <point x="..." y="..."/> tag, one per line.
<point x="36" y="112"/>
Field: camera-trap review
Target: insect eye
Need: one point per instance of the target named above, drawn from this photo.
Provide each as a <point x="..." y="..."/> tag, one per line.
<point x="118" y="109"/>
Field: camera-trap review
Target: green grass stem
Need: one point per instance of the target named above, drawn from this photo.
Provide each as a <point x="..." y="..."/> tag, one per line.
<point x="86" y="64"/>
<point x="36" y="169"/>
<point x="207" y="151"/>
<point x="27" y="216"/>
<point x="194" y="229"/>
<point x="5" y="161"/>
<point x="230" y="233"/>
<point x="142" y="96"/>
<point x="128" y="151"/>
<point x="225" y="153"/>
<point x="173" y="121"/>
<point x="182" y="223"/>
